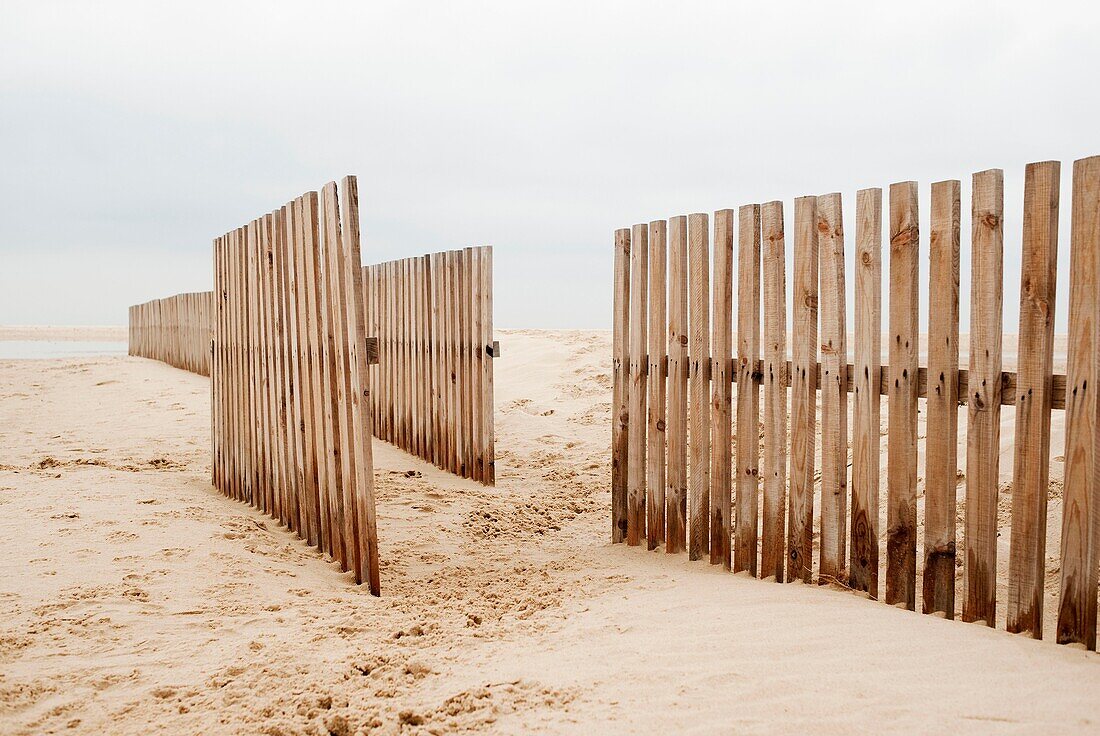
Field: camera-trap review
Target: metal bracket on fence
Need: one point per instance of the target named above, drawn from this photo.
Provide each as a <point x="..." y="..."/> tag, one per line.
<point x="493" y="351"/>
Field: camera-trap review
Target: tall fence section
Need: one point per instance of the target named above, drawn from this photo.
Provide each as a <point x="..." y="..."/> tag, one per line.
<point x="290" y="415"/>
<point x="175" y="330"/>
<point x="680" y="481"/>
<point x="432" y="391"/>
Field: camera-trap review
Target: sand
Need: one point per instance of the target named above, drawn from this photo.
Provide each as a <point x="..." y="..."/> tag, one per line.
<point x="135" y="598"/>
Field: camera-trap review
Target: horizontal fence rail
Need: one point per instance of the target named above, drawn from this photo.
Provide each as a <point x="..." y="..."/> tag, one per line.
<point x="290" y="402"/>
<point x="696" y="466"/>
<point x="432" y="391"/>
<point x="175" y="330"/>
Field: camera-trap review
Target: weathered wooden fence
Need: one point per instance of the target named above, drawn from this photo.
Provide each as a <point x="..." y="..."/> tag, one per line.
<point x="175" y="330"/>
<point x="432" y="391"/>
<point x="290" y="398"/>
<point x="678" y="479"/>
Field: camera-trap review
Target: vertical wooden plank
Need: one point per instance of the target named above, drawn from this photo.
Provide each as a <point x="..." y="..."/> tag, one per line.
<point x="901" y="443"/>
<point x="337" y="287"/>
<point x="941" y="448"/>
<point x="620" y="380"/>
<point x="774" y="257"/>
<point x="699" y="386"/>
<point x="256" y="494"/>
<point x="721" y="377"/>
<point x="677" y="387"/>
<point x="1081" y="499"/>
<point x="834" y="391"/>
<point x="866" y="429"/>
<point x="333" y="498"/>
<point x="748" y="387"/>
<point x="655" y="449"/>
<point x="466" y="385"/>
<point x="803" y="391"/>
<point x="357" y="357"/>
<point x="983" y="426"/>
<point x="487" y="389"/>
<point x="636" y="465"/>
<point x="305" y="366"/>
<point x="1034" y="386"/>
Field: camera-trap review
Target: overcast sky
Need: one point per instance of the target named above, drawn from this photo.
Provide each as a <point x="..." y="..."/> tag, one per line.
<point x="133" y="134"/>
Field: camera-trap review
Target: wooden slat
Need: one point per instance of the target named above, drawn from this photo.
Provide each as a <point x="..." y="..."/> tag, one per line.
<point x="901" y="444"/>
<point x="620" y="363"/>
<point x="803" y="375"/>
<point x="488" y="450"/>
<point x="748" y="388"/>
<point x="941" y="450"/>
<point x="655" y="430"/>
<point x="774" y="372"/>
<point x="721" y="416"/>
<point x="699" y="386"/>
<point x="834" y="396"/>
<point x="306" y="362"/>
<point x="636" y="464"/>
<point x="360" y="419"/>
<point x="677" y="388"/>
<point x="983" y="426"/>
<point x="866" y="429"/>
<point x="1081" y="497"/>
<point x="1035" y="382"/>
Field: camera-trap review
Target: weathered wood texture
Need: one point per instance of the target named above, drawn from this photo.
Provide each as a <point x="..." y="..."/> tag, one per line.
<point x="941" y="449"/>
<point x="866" y="430"/>
<point x="721" y="455"/>
<point x="655" y="424"/>
<point x="620" y="378"/>
<point x="1034" y="386"/>
<point x="834" y="395"/>
<point x="432" y="394"/>
<point x="699" y="386"/>
<point x="636" y="386"/>
<point x="773" y="540"/>
<point x="901" y="473"/>
<point x="983" y="426"/>
<point x="676" y="491"/>
<point x="1081" y="499"/>
<point x="748" y="389"/>
<point x="804" y="376"/>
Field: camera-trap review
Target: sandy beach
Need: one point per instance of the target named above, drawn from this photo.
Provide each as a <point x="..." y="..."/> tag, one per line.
<point x="136" y="598"/>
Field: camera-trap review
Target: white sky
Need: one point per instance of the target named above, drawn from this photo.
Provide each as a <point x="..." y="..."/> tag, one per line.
<point x="131" y="134"/>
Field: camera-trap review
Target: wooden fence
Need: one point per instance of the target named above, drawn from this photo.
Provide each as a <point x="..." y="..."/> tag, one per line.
<point x="290" y="397"/>
<point x="432" y="391"/>
<point x="175" y="330"/>
<point x="679" y="481"/>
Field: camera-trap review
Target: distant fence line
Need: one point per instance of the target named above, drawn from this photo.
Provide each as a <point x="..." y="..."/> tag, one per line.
<point x="677" y="480"/>
<point x="174" y="330"/>
<point x="432" y="391"/>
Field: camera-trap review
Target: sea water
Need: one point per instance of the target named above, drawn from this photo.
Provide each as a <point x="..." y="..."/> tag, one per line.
<point x="39" y="349"/>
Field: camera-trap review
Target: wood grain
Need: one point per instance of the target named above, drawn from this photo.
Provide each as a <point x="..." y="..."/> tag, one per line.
<point x="774" y="257"/>
<point x="1081" y="497"/>
<point x="901" y="443"/>
<point x="676" y="493"/>
<point x="803" y="375"/>
<point x="699" y="386"/>
<point x="1034" y="388"/>
<point x="866" y="417"/>
<point x="834" y="396"/>
<point x="636" y="463"/>
<point x="983" y="426"/>
<point x="655" y="425"/>
<point x="748" y="388"/>
<point x="941" y="448"/>
<point x="721" y="456"/>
